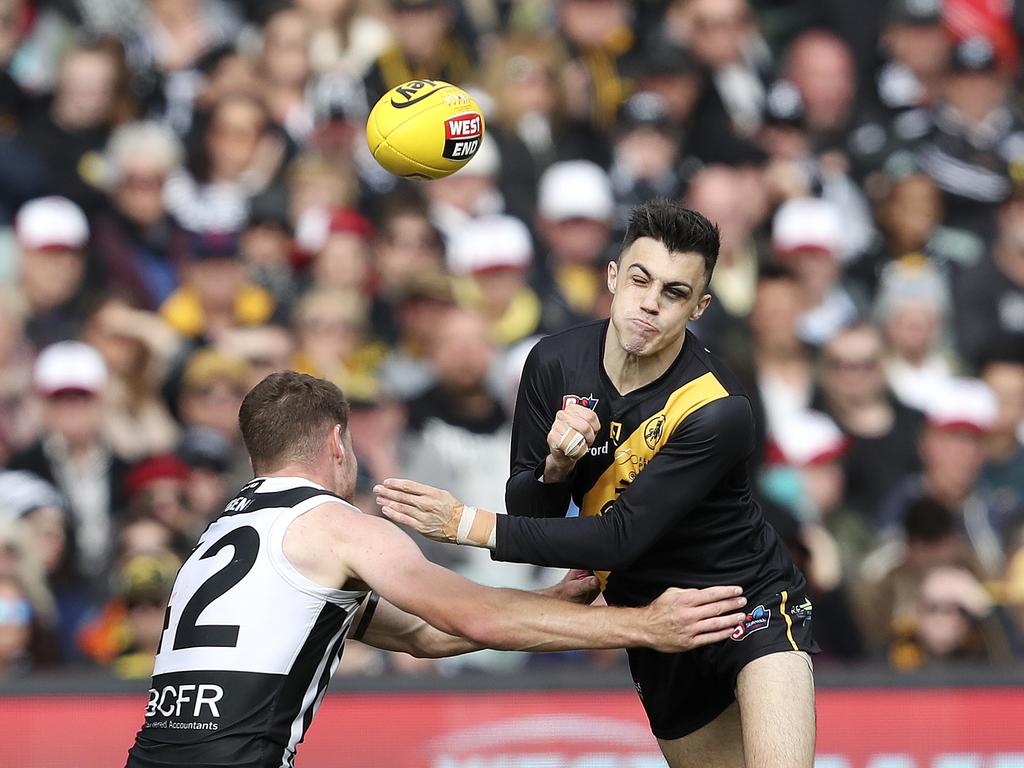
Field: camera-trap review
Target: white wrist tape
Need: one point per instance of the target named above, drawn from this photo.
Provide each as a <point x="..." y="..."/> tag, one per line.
<point x="465" y="525"/>
<point x="492" y="540"/>
<point x="574" y="445"/>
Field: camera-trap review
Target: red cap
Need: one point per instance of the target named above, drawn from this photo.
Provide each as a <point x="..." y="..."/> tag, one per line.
<point x="164" y="467"/>
<point x="346" y="220"/>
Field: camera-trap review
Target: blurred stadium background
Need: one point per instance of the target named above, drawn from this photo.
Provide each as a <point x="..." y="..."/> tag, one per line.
<point x="187" y="204"/>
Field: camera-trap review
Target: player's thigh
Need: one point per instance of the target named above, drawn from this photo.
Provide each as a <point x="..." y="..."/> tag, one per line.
<point x="776" y="703"/>
<point x="719" y="744"/>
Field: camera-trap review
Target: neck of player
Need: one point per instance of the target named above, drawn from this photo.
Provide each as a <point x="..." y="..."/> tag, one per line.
<point x="629" y="371"/>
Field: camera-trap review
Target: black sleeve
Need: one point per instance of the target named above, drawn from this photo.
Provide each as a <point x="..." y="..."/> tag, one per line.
<point x="525" y="494"/>
<point x="707" y="445"/>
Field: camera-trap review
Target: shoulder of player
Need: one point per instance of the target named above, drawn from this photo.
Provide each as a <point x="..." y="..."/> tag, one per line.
<point x="709" y="362"/>
<point x="725" y="417"/>
<point x="335" y="519"/>
<point x="553" y="347"/>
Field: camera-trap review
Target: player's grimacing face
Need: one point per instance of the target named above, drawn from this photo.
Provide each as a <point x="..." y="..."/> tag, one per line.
<point x="655" y="293"/>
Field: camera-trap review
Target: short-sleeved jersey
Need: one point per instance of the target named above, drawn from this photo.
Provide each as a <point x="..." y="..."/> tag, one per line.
<point x="664" y="493"/>
<point x="249" y="643"/>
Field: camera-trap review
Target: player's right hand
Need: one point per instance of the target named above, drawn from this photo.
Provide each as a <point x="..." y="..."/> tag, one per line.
<point x="572" y="433"/>
<point x="684" y="619"/>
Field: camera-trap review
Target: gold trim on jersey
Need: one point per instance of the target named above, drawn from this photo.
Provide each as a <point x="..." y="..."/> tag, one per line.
<point x="632" y="455"/>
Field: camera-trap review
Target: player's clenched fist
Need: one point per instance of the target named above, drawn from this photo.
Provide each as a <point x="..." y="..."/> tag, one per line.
<point x="572" y="434"/>
<point x="683" y="619"/>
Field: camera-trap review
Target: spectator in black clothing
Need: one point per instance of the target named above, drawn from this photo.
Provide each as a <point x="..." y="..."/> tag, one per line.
<point x="141" y="249"/>
<point x="822" y="68"/>
<point x="989" y="298"/>
<point x="882" y="431"/>
<point x="916" y="46"/>
<point x="723" y="38"/>
<point x="91" y="96"/>
<point x="72" y="453"/>
<point x="674" y="75"/>
<point x="424" y="47"/>
<point x="528" y="124"/>
<point x="598" y="36"/>
<point x="52" y="233"/>
<point x="645" y="155"/>
<point x="973" y="143"/>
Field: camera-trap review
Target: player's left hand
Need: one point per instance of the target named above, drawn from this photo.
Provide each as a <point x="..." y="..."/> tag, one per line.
<point x="575" y="587"/>
<point x="431" y="511"/>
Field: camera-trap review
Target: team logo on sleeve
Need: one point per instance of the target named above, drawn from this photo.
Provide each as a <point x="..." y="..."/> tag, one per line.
<point x="587" y="402"/>
<point x="755" y="621"/>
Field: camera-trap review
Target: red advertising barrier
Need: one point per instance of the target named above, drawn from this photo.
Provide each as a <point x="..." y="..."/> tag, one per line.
<point x="876" y="728"/>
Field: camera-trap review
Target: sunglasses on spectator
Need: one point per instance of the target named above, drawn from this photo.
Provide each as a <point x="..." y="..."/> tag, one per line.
<point x="16" y="611"/>
<point x="851" y="364"/>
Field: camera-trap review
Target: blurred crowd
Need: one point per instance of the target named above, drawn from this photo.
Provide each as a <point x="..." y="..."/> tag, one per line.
<point x="187" y="204"/>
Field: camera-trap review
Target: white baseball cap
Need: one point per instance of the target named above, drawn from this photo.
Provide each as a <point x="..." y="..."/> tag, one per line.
<point x="804" y="438"/>
<point x="51" y="222"/>
<point x="490" y="242"/>
<point x="70" y="366"/>
<point x="486" y="162"/>
<point x="807" y="224"/>
<point x="575" y="189"/>
<point x="962" y="403"/>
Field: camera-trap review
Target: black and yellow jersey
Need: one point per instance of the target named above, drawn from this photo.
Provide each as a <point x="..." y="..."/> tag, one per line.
<point x="664" y="492"/>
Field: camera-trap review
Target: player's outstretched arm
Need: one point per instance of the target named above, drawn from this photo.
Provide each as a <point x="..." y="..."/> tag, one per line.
<point x="392" y="629"/>
<point x="710" y="443"/>
<point x="378" y="554"/>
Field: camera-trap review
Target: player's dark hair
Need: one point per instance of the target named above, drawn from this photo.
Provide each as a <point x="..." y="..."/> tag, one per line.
<point x="283" y="418"/>
<point x="679" y="229"/>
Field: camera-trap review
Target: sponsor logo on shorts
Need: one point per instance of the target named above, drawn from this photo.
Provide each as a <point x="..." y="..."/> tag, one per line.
<point x="587" y="402"/>
<point x="755" y="621"/>
<point x="462" y="134"/>
<point x="802" y="611"/>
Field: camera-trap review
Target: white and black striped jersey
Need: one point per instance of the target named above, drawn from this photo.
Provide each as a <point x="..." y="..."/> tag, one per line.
<point x="249" y="643"/>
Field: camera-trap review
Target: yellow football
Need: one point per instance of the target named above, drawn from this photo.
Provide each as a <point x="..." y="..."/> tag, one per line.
<point x="424" y="129"/>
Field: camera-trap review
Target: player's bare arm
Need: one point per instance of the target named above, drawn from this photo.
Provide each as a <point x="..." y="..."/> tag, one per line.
<point x="352" y="548"/>
<point x="392" y="629"/>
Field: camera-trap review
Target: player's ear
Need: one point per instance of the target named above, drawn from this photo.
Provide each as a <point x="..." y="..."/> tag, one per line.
<point x="337" y="443"/>
<point x="702" y="305"/>
<point x="613" y="274"/>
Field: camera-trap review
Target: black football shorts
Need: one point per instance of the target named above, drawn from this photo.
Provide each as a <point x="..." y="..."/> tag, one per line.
<point x="682" y="692"/>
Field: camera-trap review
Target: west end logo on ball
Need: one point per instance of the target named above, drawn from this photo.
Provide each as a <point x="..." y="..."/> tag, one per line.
<point x="462" y="134"/>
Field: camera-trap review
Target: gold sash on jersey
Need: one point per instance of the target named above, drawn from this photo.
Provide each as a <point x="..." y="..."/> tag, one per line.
<point x="632" y="455"/>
